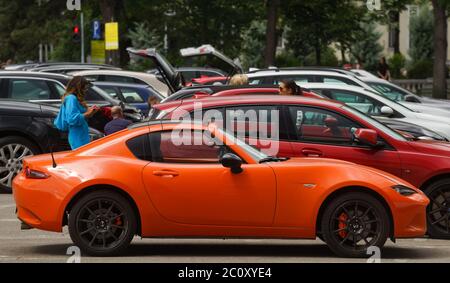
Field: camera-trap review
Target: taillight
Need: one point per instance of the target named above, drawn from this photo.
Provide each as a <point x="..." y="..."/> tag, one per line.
<point x="35" y="174"/>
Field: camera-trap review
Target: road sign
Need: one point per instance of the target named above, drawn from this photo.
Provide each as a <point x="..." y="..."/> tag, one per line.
<point x="111" y="36"/>
<point x="98" y="51"/>
<point x="96" y="30"/>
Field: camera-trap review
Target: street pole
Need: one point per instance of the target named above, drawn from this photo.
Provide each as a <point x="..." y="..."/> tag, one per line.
<point x="82" y="38"/>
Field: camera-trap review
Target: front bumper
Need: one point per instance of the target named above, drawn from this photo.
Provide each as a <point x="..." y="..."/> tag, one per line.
<point x="410" y="216"/>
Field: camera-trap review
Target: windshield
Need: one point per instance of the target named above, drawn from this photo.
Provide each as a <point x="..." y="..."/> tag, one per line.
<point x="392" y="133"/>
<point x="250" y="150"/>
<point x="384" y="99"/>
<point x="390" y="92"/>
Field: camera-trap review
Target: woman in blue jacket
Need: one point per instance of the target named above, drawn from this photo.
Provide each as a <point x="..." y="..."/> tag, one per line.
<point x="76" y="111"/>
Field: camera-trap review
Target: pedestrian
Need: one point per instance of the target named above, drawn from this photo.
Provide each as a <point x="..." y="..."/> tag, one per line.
<point x="74" y="112"/>
<point x="238" y="80"/>
<point x="289" y="87"/>
<point x="118" y="122"/>
<point x="383" y="69"/>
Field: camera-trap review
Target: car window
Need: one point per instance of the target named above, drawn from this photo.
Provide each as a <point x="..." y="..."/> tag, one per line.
<point x="111" y="91"/>
<point x="189" y="75"/>
<point x="186" y="147"/>
<point x="361" y="102"/>
<point x="119" y="79"/>
<point x="93" y="95"/>
<point x="27" y="89"/>
<point x="131" y="95"/>
<point x="335" y="80"/>
<point x="298" y="79"/>
<point x="140" y="147"/>
<point x="389" y="92"/>
<point x="241" y="121"/>
<point x="60" y="90"/>
<point x="321" y="126"/>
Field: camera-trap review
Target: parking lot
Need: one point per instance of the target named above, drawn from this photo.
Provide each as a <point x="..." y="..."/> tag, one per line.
<point x="39" y="246"/>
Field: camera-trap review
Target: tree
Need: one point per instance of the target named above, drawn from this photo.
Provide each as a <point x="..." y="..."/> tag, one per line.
<point x="440" y="48"/>
<point x="271" y="32"/>
<point x="316" y="24"/>
<point x="422" y="27"/>
<point x="366" y="49"/>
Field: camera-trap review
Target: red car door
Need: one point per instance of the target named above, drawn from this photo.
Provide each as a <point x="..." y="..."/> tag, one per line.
<point x="322" y="133"/>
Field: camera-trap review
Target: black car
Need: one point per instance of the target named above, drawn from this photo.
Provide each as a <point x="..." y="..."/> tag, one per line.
<point x="27" y="129"/>
<point x="47" y="88"/>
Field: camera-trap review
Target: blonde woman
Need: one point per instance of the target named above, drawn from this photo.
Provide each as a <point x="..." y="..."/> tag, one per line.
<point x="239" y="79"/>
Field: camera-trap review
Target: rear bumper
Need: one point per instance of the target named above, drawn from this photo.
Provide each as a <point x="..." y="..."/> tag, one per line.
<point x="36" y="208"/>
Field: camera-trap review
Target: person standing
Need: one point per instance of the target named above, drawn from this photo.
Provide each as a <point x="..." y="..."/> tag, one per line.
<point x="74" y="112"/>
<point x="238" y="79"/>
<point x="383" y="69"/>
<point x="118" y="123"/>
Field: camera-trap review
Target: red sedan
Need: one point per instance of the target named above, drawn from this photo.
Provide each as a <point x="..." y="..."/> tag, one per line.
<point x="321" y="128"/>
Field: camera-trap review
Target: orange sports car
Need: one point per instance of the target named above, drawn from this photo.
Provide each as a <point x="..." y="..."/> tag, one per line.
<point x="177" y="179"/>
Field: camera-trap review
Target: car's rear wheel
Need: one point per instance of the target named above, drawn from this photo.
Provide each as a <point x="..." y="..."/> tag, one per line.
<point x="438" y="211"/>
<point x="353" y="222"/>
<point x="13" y="150"/>
<point x="102" y="223"/>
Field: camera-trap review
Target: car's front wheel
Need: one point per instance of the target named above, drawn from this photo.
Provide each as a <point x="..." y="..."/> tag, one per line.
<point x="353" y="222"/>
<point x="13" y="150"/>
<point x="438" y="211"/>
<point x="102" y="223"/>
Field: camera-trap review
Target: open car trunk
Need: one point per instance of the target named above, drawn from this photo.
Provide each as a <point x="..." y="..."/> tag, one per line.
<point x="171" y="77"/>
<point x="231" y="67"/>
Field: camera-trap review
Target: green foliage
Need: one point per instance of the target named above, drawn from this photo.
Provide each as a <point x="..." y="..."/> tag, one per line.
<point x="253" y="43"/>
<point x="287" y="59"/>
<point x="314" y="25"/>
<point x="328" y="58"/>
<point x="421" y="69"/>
<point x="396" y="64"/>
<point x="422" y="29"/>
<point x="365" y="48"/>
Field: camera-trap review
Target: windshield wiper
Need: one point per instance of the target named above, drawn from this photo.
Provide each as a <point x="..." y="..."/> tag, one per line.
<point x="273" y="159"/>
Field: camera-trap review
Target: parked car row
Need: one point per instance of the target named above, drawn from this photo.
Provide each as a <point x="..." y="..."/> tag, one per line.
<point x="355" y="164"/>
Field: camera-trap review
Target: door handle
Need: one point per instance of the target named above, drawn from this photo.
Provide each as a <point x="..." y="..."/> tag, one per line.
<point x="312" y="152"/>
<point x="165" y="173"/>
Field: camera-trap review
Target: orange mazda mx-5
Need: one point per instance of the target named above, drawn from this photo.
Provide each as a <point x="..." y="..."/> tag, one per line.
<point x="172" y="179"/>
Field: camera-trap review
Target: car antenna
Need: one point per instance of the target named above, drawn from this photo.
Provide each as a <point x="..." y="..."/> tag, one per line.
<point x="53" y="157"/>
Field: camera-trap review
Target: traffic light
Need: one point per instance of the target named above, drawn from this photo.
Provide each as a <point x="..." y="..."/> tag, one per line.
<point x="76" y="34"/>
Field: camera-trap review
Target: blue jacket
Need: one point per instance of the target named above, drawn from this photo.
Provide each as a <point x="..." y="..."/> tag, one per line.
<point x="78" y="126"/>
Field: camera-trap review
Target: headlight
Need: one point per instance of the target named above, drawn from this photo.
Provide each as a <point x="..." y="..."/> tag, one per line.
<point x="403" y="190"/>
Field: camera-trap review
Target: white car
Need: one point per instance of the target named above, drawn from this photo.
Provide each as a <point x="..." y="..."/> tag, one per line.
<point x="407" y="98"/>
<point x="368" y="82"/>
<point x="125" y="77"/>
<point x="305" y="75"/>
<point x="376" y="105"/>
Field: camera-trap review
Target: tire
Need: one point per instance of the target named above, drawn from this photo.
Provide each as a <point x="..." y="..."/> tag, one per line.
<point x="340" y="229"/>
<point x="438" y="211"/>
<point x="13" y="150"/>
<point x="102" y="223"/>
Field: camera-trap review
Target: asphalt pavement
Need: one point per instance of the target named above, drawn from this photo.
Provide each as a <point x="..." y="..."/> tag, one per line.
<point x="40" y="246"/>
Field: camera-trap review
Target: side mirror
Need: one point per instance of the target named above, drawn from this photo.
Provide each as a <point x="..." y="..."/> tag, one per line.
<point x="232" y="161"/>
<point x="411" y="98"/>
<point x="387" y="111"/>
<point x="366" y="136"/>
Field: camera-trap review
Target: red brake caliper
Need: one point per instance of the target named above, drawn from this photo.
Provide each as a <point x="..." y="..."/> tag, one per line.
<point x="342" y="225"/>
